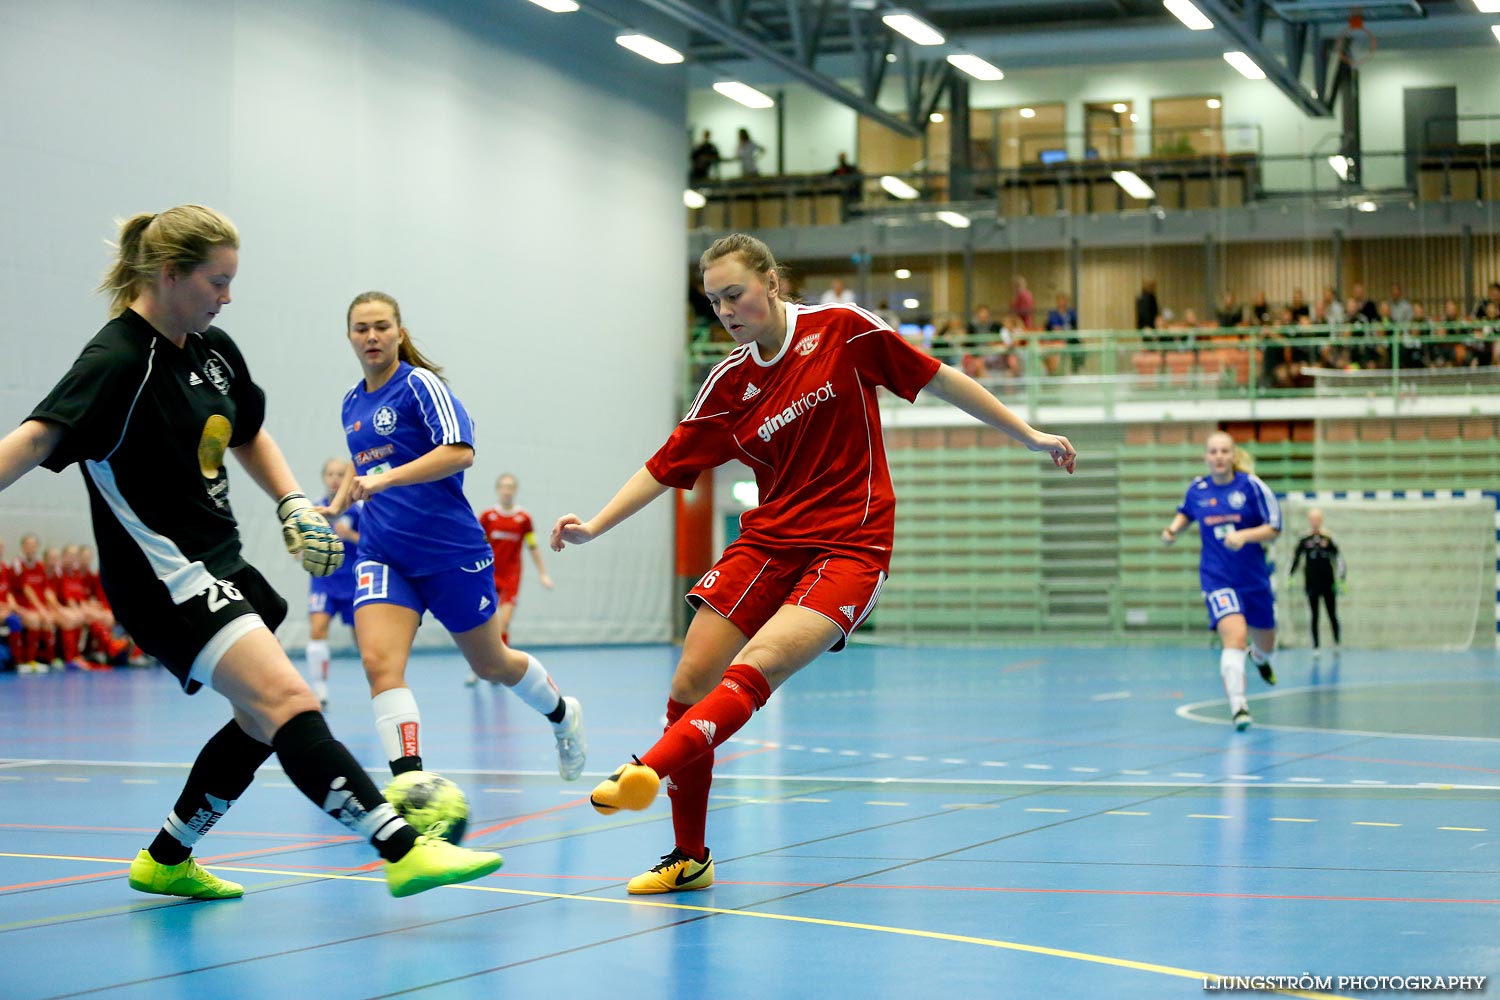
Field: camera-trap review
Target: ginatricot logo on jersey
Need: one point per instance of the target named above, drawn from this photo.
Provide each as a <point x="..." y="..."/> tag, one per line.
<point x="777" y="421"/>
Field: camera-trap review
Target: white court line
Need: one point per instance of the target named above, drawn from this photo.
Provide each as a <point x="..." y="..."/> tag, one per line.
<point x="1111" y="696"/>
<point x="1191" y="713"/>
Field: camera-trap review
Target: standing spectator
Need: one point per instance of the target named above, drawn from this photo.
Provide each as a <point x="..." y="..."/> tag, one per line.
<point x="837" y="293"/>
<point x="1022" y="304"/>
<point x="1231" y="314"/>
<point x="1146" y="308"/>
<point x="704" y="160"/>
<point x="1401" y="309"/>
<point x="1063" y="318"/>
<point x="844" y="168"/>
<point x="748" y="152"/>
<point x="852" y="179"/>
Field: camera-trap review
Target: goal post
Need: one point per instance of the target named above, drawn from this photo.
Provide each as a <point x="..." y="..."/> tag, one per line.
<point x="1423" y="568"/>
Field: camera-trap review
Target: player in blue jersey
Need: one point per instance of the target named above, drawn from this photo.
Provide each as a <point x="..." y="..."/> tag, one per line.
<point x="420" y="545"/>
<point x="333" y="595"/>
<point x="1237" y="517"/>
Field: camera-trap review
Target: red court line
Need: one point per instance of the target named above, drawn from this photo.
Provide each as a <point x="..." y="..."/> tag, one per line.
<point x="63" y="881"/>
<point x="141" y="829"/>
<point x="499" y="826"/>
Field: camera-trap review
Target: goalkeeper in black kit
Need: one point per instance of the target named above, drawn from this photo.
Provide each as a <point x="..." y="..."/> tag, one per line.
<point x="1323" y="573"/>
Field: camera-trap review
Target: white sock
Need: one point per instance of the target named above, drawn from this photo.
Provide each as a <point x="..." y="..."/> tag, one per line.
<point x="536" y="689"/>
<point x="317" y="659"/>
<point x="1258" y="655"/>
<point x="397" y="721"/>
<point x="1232" y="669"/>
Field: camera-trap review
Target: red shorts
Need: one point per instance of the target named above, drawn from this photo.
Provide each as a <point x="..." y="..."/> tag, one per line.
<point x="750" y="583"/>
<point x="508" y="587"/>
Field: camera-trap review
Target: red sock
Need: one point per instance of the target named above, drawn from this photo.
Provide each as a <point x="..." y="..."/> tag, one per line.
<point x="70" y="637"/>
<point x="18" y="646"/>
<point x="710" y="722"/>
<point x="688" y="789"/>
<point x="101" y="639"/>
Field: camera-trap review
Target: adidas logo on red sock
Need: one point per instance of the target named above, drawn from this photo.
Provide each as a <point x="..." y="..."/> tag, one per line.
<point x="707" y="728"/>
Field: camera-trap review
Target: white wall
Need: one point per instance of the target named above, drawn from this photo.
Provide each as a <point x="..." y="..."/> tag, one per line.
<point x="513" y="178"/>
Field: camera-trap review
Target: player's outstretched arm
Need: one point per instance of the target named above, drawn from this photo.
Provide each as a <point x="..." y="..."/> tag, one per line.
<point x="638" y="491"/>
<point x="954" y="387"/>
<point x="26" y="447"/>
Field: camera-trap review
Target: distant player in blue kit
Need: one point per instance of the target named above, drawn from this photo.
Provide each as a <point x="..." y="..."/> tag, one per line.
<point x="1237" y="517"/>
<point x="420" y="545"/>
<point x="331" y="596"/>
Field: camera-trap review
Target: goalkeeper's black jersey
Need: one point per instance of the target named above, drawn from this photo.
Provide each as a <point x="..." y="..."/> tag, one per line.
<point x="1323" y="561"/>
<point x="148" y="423"/>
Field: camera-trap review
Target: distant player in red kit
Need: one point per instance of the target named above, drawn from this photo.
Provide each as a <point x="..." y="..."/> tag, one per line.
<point x="508" y="527"/>
<point x="796" y="401"/>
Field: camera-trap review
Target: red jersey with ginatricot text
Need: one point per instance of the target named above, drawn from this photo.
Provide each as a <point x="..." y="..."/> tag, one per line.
<point x="808" y="423"/>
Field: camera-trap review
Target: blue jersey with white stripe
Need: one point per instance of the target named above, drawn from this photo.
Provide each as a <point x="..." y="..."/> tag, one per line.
<point x="422" y="528"/>
<point x="1243" y="502"/>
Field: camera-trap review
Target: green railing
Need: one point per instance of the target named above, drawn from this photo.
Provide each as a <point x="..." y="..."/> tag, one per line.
<point x="1104" y="368"/>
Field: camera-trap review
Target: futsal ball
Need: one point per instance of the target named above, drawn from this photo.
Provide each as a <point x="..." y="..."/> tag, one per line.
<point x="431" y="803"/>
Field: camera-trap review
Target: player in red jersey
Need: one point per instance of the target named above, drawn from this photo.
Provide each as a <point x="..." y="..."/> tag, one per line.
<point x="28" y="580"/>
<point x="796" y="401"/>
<point x="65" y="594"/>
<point x="10" y="615"/>
<point x="508" y="528"/>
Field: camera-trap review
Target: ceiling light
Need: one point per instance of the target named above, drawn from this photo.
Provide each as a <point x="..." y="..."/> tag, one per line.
<point x="1189" y="15"/>
<point x="936" y="118"/>
<point x="897" y="188"/>
<point x="1134" y="118"/>
<point x="1028" y="112"/>
<point x="956" y="219"/>
<point x="976" y="67"/>
<point x="1496" y="30"/>
<point x="890" y="57"/>
<point x="1214" y="103"/>
<point x="1133" y="185"/>
<point x="693" y="199"/>
<point x="744" y="93"/>
<point x="557" y="6"/>
<point x="910" y="303"/>
<point x="1340" y="165"/>
<point x="1245" y="65"/>
<point x="1119" y="108"/>
<point x="1487" y="6"/>
<point x="902" y="273"/>
<point x="645" y="45"/>
<point x="915" y="28"/>
<point x="1366" y="206"/>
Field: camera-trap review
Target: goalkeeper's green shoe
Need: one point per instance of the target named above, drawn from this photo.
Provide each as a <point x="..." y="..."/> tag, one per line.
<point x="433" y="862"/>
<point x="188" y="879"/>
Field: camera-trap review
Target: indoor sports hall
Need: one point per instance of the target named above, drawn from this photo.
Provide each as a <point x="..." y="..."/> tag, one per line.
<point x="1035" y="771"/>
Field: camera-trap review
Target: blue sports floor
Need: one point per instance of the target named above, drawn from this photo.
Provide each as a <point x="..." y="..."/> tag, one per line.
<point x="898" y="822"/>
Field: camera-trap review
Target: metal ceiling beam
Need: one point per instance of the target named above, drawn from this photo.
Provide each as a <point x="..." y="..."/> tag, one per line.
<point x="1244" y="32"/>
<point x="699" y="20"/>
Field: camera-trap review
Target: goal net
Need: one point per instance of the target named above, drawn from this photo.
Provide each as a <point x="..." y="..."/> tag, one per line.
<point x="1421" y="569"/>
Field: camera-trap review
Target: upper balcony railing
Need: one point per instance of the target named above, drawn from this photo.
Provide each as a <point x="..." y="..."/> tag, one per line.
<point x="1105" y="369"/>
<point x="1184" y="179"/>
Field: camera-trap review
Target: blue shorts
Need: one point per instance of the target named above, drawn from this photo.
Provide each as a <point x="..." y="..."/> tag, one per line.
<point x="459" y="599"/>
<point x="338" y="606"/>
<point x="1256" y="603"/>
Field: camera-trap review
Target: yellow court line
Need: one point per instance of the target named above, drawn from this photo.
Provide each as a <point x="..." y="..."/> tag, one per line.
<point x="1081" y="956"/>
<point x="1291" y="819"/>
<point x="1125" y="812"/>
<point x="1466" y="829"/>
<point x="1360" y="822"/>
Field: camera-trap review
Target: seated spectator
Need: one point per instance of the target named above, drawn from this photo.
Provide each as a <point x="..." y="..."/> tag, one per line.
<point x="10" y="618"/>
<point x="1298" y="305"/>
<point x="1366" y="307"/>
<point x="1260" y="310"/>
<point x="1492" y="297"/>
<point x="1484" y="337"/>
<point x="1332" y="310"/>
<point x="984" y="324"/>
<point x="1231" y="314"/>
<point x="1401" y="309"/>
<point x="28" y="577"/>
<point x="948" y="341"/>
<point x="65" y="594"/>
<point x="888" y="315"/>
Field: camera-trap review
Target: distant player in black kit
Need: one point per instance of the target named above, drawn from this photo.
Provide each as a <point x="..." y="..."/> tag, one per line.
<point x="1323" y="566"/>
<point x="148" y="411"/>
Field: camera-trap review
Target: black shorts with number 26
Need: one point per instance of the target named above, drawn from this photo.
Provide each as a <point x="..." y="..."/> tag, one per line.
<point x="189" y="638"/>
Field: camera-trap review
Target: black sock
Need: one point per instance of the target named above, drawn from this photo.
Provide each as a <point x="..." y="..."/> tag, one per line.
<point x="224" y="769"/>
<point x="556" y="715"/>
<point x="403" y="764"/>
<point x="323" y="769"/>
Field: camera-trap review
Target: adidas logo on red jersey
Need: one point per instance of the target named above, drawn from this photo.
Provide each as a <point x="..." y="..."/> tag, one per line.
<point x="750" y="392"/>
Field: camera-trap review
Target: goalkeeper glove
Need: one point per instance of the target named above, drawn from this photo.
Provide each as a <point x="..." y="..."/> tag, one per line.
<point x="306" y="531"/>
